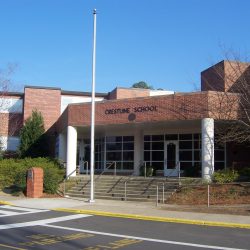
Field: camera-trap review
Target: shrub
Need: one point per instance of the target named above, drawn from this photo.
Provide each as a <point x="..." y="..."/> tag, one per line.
<point x="149" y="170"/>
<point x="13" y="172"/>
<point x="225" y="176"/>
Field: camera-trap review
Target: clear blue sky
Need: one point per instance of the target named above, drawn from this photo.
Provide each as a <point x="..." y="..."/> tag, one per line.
<point x="165" y="43"/>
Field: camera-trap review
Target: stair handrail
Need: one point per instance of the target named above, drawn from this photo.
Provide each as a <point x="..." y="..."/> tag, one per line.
<point x="178" y="168"/>
<point x="87" y="167"/>
<point x="110" y="164"/>
<point x="66" y="178"/>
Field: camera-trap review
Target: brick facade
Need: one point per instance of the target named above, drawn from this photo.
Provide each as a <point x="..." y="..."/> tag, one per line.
<point x="11" y="124"/>
<point x="191" y="106"/>
<point x="34" y="183"/>
<point x="45" y="100"/>
<point x="123" y="93"/>
<point x="224" y="76"/>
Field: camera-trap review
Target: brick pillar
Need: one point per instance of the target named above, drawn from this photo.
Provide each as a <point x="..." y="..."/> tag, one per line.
<point x="35" y="183"/>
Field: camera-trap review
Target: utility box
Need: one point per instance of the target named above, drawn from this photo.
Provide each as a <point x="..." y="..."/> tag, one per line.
<point x="34" y="183"/>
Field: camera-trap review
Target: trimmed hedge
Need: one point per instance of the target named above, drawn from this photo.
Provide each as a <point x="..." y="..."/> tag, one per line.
<point x="13" y="173"/>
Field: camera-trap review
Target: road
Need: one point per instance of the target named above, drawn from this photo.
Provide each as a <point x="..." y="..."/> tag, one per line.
<point x="24" y="229"/>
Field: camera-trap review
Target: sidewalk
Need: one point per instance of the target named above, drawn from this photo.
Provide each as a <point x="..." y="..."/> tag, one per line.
<point x="142" y="210"/>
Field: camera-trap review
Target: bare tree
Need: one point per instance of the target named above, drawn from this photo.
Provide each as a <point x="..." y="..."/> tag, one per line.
<point x="10" y="119"/>
<point x="231" y="101"/>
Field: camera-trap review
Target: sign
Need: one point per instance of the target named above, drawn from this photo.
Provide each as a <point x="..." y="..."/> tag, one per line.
<point x="139" y="109"/>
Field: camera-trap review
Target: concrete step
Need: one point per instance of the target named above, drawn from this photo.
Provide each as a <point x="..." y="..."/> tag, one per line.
<point x="113" y="187"/>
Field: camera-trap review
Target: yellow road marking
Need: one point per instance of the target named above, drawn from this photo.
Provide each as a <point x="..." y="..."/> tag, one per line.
<point x="11" y="247"/>
<point x="154" y="218"/>
<point x="5" y="203"/>
<point x="114" y="245"/>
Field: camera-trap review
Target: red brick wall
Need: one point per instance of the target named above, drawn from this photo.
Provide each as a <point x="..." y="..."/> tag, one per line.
<point x="171" y="107"/>
<point x="223" y="76"/>
<point x="123" y="93"/>
<point x="213" y="78"/>
<point x="11" y="124"/>
<point x="35" y="183"/>
<point x="47" y="101"/>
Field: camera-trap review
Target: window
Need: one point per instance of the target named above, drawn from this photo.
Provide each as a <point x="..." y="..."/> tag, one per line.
<point x="120" y="149"/>
<point x="154" y="151"/>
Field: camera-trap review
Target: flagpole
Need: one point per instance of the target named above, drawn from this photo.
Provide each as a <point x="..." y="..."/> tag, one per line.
<point x="92" y="149"/>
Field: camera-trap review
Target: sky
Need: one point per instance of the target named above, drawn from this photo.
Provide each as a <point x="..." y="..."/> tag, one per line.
<point x="166" y="43"/>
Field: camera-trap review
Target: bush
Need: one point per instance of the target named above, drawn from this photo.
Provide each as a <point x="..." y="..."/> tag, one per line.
<point x="149" y="170"/>
<point x="13" y="172"/>
<point x="225" y="176"/>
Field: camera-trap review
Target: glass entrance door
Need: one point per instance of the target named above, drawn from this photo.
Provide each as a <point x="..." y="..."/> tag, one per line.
<point x="171" y="158"/>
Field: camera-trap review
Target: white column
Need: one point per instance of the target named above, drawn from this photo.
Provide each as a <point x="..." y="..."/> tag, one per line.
<point x="207" y="126"/>
<point x="138" y="151"/>
<point x="62" y="147"/>
<point x="71" y="150"/>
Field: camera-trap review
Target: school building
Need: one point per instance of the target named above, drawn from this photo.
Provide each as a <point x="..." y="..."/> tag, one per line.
<point x="172" y="132"/>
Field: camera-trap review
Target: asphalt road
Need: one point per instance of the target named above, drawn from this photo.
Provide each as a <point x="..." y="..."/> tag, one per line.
<point x="23" y="229"/>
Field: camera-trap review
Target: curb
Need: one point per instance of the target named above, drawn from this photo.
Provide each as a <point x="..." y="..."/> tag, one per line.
<point x="154" y="218"/>
<point x="5" y="203"/>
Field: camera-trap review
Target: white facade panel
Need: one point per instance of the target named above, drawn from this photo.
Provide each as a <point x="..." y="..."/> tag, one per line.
<point x="66" y="100"/>
<point x="160" y="92"/>
<point x="11" y="105"/>
<point x="10" y="143"/>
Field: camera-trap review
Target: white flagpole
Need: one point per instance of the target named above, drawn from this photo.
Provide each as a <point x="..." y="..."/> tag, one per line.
<point x="92" y="150"/>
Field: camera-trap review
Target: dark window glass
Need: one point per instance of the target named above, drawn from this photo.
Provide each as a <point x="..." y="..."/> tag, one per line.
<point x="113" y="139"/>
<point x="86" y="141"/>
<point x="128" y="156"/>
<point x="157" y="165"/>
<point x="157" y="155"/>
<point x="147" y="163"/>
<point x="197" y="155"/>
<point x="185" y="155"/>
<point x="118" y="165"/>
<point x="147" y="145"/>
<point x="197" y="144"/>
<point x="128" y="146"/>
<point x="197" y="136"/>
<point x="185" y="136"/>
<point x="114" y="156"/>
<point x="157" y="137"/>
<point x="146" y="155"/>
<point x="171" y="155"/>
<point x="171" y="137"/>
<point x="113" y="146"/>
<point x="184" y="165"/>
<point x="128" y="138"/>
<point x="147" y="138"/>
<point x="185" y="144"/>
<point x="157" y="145"/>
<point x="218" y="146"/>
<point x="128" y="165"/>
<point x="219" y="155"/>
<point x="111" y="165"/>
<point x="218" y="166"/>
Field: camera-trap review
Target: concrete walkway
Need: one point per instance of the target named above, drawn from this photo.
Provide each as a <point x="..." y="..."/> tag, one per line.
<point x="130" y="209"/>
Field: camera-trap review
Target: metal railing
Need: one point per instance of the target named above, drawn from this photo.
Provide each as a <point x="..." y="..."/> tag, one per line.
<point x="107" y="168"/>
<point x="178" y="169"/>
<point x="157" y="193"/>
<point x="65" y="179"/>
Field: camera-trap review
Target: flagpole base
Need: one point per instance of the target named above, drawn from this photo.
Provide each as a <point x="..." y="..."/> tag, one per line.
<point x="91" y="201"/>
